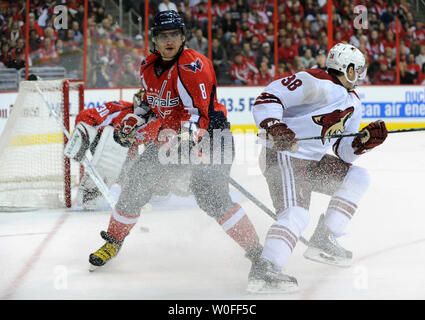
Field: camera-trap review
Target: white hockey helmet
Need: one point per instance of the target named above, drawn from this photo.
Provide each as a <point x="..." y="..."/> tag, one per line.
<point x="342" y="55"/>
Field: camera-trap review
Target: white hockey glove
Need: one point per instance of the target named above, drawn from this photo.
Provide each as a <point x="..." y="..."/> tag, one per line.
<point x="80" y="141"/>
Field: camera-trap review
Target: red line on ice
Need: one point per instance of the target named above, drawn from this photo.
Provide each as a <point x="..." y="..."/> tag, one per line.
<point x="34" y="258"/>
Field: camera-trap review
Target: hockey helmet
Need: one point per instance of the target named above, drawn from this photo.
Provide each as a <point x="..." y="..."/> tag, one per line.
<point x="343" y="55"/>
<point x="167" y="20"/>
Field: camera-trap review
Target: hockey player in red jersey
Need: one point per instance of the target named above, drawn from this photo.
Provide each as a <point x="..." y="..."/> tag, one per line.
<point x="311" y="103"/>
<point x="96" y="129"/>
<point x="180" y="89"/>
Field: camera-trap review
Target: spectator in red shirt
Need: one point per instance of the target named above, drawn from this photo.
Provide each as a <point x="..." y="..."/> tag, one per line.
<point x="419" y="32"/>
<point x="220" y="8"/>
<point x="389" y="41"/>
<point x="375" y="47"/>
<point x="50" y="33"/>
<point x="384" y="75"/>
<point x="259" y="26"/>
<point x="288" y="51"/>
<point x="248" y="53"/>
<point x="263" y="77"/>
<point x="241" y="71"/>
<point x="47" y="54"/>
<point x="413" y="68"/>
<point x="346" y="30"/>
<point x="292" y="8"/>
<point x="390" y="56"/>
<point x="282" y="21"/>
<point x="297" y="23"/>
<point x="33" y="25"/>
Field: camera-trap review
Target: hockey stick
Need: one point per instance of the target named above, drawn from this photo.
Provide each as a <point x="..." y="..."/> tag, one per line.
<point x="247" y="194"/>
<point x="91" y="171"/>
<point x="258" y="203"/>
<point x="358" y="134"/>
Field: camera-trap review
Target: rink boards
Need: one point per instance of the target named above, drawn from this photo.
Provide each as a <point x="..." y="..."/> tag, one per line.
<point x="400" y="106"/>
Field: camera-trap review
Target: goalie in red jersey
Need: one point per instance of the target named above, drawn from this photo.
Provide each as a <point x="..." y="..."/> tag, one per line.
<point x="194" y="137"/>
<point x="96" y="129"/>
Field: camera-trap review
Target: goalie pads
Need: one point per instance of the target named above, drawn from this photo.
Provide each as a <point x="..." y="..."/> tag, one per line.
<point x="80" y="141"/>
<point x="108" y="160"/>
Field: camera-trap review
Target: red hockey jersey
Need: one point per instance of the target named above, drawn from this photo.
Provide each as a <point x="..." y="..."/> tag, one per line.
<point x="184" y="91"/>
<point x="112" y="113"/>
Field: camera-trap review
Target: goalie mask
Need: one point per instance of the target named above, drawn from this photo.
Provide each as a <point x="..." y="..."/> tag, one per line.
<point x="342" y="55"/>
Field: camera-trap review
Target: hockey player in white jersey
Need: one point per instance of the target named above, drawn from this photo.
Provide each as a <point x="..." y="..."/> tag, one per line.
<point x="311" y="103"/>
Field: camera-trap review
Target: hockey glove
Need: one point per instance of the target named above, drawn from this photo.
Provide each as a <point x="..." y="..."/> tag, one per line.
<point x="126" y="135"/>
<point x="80" y="140"/>
<point x="375" y="133"/>
<point x="282" y="137"/>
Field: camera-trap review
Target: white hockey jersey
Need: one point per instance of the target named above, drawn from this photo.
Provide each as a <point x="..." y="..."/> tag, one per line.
<point x="312" y="103"/>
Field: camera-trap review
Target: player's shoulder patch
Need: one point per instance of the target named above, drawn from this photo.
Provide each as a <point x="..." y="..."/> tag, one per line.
<point x="191" y="61"/>
<point x="193" y="66"/>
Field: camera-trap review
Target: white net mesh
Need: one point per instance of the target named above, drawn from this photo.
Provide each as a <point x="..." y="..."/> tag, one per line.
<point x="31" y="148"/>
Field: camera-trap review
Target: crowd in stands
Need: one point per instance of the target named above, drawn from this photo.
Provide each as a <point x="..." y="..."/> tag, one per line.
<point x="242" y="38"/>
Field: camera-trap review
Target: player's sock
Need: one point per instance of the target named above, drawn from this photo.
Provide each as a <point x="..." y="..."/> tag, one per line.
<point x="344" y="201"/>
<point x="338" y="215"/>
<point x="238" y="226"/>
<point x="120" y="224"/>
<point x="283" y="235"/>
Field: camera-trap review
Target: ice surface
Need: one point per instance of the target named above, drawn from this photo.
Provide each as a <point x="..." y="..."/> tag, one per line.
<point x="186" y="255"/>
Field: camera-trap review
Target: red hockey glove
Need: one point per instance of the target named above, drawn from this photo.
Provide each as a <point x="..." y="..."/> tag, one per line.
<point x="283" y="138"/>
<point x="375" y="133"/>
<point x="126" y="135"/>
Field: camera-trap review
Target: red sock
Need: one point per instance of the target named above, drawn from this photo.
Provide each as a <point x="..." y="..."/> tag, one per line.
<point x="120" y="224"/>
<point x="238" y="226"/>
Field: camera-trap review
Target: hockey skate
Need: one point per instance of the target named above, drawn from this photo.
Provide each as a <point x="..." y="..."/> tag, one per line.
<point x="264" y="278"/>
<point x="108" y="251"/>
<point x="324" y="248"/>
<point x="254" y="254"/>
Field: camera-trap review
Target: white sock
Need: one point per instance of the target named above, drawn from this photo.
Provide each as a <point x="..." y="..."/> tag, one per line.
<point x="283" y="235"/>
<point x="336" y="221"/>
<point x="344" y="202"/>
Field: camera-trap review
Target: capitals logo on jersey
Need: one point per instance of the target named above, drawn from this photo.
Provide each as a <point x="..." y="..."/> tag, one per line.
<point x="333" y="122"/>
<point x="193" y="66"/>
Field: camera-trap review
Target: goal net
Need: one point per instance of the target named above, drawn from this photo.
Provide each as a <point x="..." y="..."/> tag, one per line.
<point x="33" y="170"/>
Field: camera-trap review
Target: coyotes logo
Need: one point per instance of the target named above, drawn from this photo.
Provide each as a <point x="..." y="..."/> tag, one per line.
<point x="333" y="122"/>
